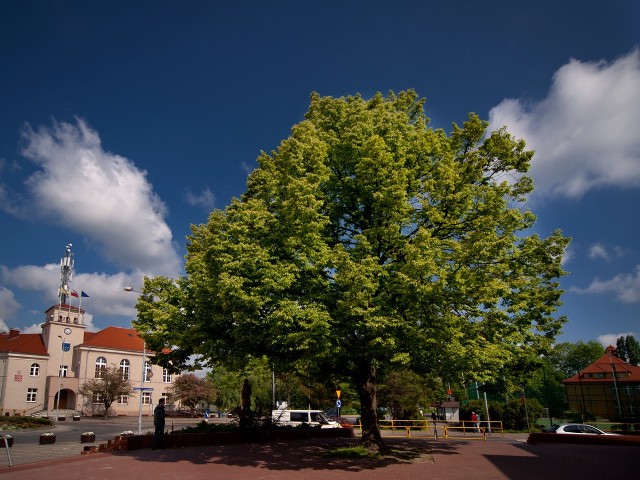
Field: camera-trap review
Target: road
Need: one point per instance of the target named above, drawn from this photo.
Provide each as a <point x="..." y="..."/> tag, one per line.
<point x="70" y="431"/>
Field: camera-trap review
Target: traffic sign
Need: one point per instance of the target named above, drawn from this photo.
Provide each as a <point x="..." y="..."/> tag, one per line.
<point x="338" y="403"/>
<point x="66" y="346"/>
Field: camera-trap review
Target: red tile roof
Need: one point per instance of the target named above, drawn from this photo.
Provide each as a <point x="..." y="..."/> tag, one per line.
<point x="26" y="343"/>
<point x="114" y="337"/>
<point x="607" y="364"/>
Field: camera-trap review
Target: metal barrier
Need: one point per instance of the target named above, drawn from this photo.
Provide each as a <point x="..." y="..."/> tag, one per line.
<point x="465" y="429"/>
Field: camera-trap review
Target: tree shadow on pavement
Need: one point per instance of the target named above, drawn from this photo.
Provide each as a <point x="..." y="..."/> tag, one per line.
<point x="300" y="455"/>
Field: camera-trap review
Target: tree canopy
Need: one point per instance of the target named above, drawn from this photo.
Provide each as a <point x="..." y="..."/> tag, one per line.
<point x="190" y="390"/>
<point x="368" y="240"/>
<point x="628" y="349"/>
<point x="106" y="389"/>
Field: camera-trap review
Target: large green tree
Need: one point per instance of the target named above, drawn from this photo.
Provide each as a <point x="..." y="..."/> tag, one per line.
<point x="369" y="241"/>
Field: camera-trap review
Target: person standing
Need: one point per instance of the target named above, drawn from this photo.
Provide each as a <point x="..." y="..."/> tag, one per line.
<point x="159" y="416"/>
<point x="474" y="421"/>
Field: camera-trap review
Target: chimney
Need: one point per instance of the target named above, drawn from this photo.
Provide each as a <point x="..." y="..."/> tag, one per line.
<point x="14" y="332"/>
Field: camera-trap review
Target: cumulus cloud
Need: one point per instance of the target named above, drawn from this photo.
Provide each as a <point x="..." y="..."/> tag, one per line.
<point x="205" y="199"/>
<point x="100" y="195"/>
<point x="625" y="286"/>
<point x="106" y="292"/>
<point x="611" y="338"/>
<point x="599" y="251"/>
<point x="585" y="132"/>
<point x="8" y="306"/>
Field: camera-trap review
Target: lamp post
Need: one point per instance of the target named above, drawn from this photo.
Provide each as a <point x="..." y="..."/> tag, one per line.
<point x="144" y="371"/>
<point x="60" y="376"/>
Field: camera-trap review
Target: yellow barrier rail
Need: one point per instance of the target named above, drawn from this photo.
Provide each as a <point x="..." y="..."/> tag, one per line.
<point x="464" y="429"/>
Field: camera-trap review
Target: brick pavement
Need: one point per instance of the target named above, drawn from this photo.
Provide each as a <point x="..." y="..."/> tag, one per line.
<point x="304" y="460"/>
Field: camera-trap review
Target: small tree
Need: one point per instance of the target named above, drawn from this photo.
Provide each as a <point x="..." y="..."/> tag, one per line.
<point x="107" y="388"/>
<point x="191" y="390"/>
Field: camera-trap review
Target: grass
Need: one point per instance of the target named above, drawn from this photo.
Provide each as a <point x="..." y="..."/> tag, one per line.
<point x="358" y="451"/>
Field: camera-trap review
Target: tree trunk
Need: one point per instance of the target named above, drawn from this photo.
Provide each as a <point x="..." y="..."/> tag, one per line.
<point x="366" y="382"/>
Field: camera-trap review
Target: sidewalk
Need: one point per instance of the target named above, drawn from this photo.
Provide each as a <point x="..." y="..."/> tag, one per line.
<point x="304" y="460"/>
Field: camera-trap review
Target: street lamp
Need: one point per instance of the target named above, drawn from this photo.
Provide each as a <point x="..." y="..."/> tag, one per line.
<point x="144" y="371"/>
<point x="60" y="376"/>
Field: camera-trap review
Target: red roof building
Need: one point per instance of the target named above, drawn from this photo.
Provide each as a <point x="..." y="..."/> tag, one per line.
<point x="42" y="372"/>
<point x="608" y="388"/>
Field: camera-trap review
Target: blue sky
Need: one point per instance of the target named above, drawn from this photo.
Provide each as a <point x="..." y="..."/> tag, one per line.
<point x="123" y="123"/>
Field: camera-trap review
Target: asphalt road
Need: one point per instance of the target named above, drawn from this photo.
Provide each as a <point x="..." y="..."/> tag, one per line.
<point x="70" y="431"/>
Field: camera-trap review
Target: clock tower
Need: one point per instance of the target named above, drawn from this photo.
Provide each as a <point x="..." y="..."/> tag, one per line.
<point x="64" y="326"/>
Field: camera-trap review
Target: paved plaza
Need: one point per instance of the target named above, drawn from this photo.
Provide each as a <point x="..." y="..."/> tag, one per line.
<point x="416" y="458"/>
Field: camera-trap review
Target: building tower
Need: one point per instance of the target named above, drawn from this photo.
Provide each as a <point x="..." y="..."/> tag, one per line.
<point x="66" y="272"/>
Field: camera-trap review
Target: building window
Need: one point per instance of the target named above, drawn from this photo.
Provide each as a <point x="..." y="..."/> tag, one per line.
<point x="63" y="370"/>
<point x="32" y="395"/>
<point x="146" y="398"/>
<point x="147" y="372"/>
<point x="101" y="367"/>
<point x="123" y="399"/>
<point x="34" y="371"/>
<point x="166" y="376"/>
<point x="124" y="369"/>
<point x="628" y="390"/>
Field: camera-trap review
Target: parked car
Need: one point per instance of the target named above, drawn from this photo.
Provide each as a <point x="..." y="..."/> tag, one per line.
<point x="577" y="429"/>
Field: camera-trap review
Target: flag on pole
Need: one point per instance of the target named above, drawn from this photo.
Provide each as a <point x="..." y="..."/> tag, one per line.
<point x="83" y="294"/>
<point x="74" y="293"/>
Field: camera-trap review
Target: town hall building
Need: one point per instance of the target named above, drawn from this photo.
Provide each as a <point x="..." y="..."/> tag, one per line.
<point x="41" y="373"/>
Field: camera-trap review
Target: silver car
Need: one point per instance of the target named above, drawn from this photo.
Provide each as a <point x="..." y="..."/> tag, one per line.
<point x="577" y="429"/>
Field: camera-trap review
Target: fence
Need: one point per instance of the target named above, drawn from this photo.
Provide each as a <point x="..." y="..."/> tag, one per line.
<point x="422" y="428"/>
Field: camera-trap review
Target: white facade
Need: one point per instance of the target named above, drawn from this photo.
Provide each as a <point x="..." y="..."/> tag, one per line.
<point x="38" y="375"/>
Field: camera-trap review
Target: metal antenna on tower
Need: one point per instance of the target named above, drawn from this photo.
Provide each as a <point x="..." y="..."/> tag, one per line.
<point x="66" y="272"/>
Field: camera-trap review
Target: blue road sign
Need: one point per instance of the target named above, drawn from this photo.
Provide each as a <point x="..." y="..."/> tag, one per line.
<point x="66" y="346"/>
<point x="338" y="403"/>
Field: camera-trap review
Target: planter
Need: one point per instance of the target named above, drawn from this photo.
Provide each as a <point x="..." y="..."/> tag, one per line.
<point x="76" y="418"/>
<point x="47" y="439"/>
<point x="88" y="438"/>
<point x="9" y="441"/>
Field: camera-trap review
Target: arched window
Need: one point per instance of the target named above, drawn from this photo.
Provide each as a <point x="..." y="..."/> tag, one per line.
<point x="101" y="367"/>
<point x="124" y="369"/>
<point x="34" y="371"/>
<point x="147" y="372"/>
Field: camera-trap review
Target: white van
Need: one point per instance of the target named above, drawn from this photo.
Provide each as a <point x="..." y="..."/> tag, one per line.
<point x="295" y="418"/>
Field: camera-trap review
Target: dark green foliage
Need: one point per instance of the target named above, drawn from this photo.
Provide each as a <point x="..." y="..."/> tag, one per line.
<point x="628" y="349"/>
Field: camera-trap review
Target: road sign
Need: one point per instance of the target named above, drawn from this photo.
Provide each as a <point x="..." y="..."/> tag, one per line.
<point x="338" y="403"/>
<point x="66" y="346"/>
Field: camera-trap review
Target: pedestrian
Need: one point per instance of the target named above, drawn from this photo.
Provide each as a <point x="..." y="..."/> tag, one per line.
<point x="434" y="417"/>
<point x="158" y="422"/>
<point x="479" y="421"/>
<point x="474" y="421"/>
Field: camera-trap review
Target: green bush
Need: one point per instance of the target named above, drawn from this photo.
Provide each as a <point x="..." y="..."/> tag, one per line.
<point x="18" y="422"/>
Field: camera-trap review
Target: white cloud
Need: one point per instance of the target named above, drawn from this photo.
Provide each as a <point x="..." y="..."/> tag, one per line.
<point x="585" y="132"/>
<point x="106" y="292"/>
<point x="100" y="195"/>
<point x="625" y="286"/>
<point x="597" y="250"/>
<point x="8" y="306"/>
<point x="206" y="199"/>
<point x="611" y="338"/>
<point x="569" y="254"/>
